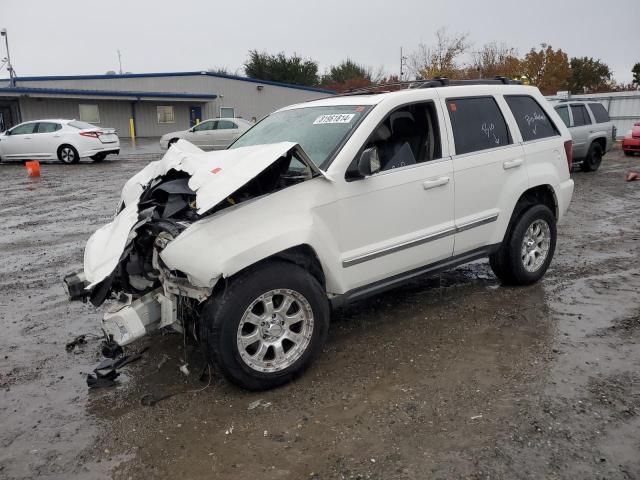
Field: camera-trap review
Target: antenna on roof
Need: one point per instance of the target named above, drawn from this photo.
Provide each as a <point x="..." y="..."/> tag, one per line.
<point x="120" y="61"/>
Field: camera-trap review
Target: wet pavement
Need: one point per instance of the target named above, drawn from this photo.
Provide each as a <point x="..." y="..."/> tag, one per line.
<point x="450" y="377"/>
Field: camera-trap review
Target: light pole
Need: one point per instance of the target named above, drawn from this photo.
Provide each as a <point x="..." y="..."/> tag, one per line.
<point x="12" y="73"/>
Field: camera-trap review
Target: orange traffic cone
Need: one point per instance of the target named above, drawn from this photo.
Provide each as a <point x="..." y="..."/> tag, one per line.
<point x="33" y="168"/>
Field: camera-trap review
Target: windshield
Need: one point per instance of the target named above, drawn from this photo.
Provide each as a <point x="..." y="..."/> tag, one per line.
<point x="318" y="130"/>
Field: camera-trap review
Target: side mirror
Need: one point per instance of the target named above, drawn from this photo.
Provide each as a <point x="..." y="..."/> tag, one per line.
<point x="369" y="162"/>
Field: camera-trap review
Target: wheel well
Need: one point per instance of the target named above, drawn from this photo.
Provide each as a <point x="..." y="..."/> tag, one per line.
<point x="302" y="255"/>
<point x="542" y="194"/>
<point x="602" y="142"/>
<point x="173" y="140"/>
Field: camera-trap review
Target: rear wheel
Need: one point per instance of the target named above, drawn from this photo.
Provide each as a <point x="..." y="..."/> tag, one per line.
<point x="67" y="154"/>
<point x="527" y="250"/>
<point x="594" y="158"/>
<point x="172" y="141"/>
<point x="628" y="153"/>
<point x="98" y="157"/>
<point x="266" y="326"/>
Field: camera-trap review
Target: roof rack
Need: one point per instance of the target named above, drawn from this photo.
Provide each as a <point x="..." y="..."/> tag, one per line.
<point x="430" y="83"/>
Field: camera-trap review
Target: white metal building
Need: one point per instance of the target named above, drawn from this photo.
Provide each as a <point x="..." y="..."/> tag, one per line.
<point x="157" y="102"/>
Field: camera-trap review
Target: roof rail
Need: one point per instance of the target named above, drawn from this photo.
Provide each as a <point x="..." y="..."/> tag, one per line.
<point x="430" y="83"/>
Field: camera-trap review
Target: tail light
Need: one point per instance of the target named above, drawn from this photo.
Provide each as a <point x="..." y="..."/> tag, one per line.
<point x="90" y="134"/>
<point x="568" y="149"/>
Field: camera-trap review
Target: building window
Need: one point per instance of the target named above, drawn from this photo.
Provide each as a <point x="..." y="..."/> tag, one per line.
<point x="89" y="113"/>
<point x="227" y="112"/>
<point x="165" y="114"/>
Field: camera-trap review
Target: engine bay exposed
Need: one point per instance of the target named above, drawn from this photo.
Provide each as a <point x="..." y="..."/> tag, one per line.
<point x="166" y="207"/>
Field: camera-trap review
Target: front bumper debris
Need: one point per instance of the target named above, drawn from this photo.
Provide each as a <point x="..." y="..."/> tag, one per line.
<point x="76" y="285"/>
<point x="127" y="321"/>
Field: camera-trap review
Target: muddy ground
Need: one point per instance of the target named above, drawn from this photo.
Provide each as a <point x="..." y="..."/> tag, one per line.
<point x="450" y="377"/>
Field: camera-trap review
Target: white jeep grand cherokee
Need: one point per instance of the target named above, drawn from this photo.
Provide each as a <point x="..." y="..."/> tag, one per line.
<point x="323" y="203"/>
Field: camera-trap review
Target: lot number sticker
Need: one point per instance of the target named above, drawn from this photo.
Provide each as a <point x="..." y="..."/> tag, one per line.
<point x="334" y="118"/>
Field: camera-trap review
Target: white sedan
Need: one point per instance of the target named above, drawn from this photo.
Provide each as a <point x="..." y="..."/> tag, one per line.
<point x="65" y="140"/>
<point x="214" y="134"/>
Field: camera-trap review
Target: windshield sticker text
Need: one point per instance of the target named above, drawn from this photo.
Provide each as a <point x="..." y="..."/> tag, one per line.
<point x="334" y="118"/>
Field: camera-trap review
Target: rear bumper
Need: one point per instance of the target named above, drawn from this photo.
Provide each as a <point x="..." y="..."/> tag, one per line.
<point x="564" y="193"/>
<point x="630" y="144"/>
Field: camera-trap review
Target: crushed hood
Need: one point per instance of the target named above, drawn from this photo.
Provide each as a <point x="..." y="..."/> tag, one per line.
<point x="214" y="176"/>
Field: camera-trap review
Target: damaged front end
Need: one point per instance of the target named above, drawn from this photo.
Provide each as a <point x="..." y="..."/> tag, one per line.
<point x="123" y="260"/>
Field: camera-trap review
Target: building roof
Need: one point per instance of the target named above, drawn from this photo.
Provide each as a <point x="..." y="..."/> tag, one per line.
<point x="170" y="74"/>
<point x="62" y="92"/>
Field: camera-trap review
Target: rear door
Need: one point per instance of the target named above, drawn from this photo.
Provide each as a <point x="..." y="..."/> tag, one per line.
<point x="225" y="133"/>
<point x="580" y="130"/>
<point x="488" y="167"/>
<point x="46" y="139"/>
<point x="19" y="144"/>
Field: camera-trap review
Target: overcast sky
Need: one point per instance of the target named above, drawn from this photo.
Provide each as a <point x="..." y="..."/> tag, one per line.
<point x="49" y="37"/>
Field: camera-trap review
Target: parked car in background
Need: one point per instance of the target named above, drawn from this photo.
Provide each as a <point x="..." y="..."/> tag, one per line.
<point x="66" y="140"/>
<point x="631" y="141"/>
<point x="325" y="203"/>
<point x="591" y="129"/>
<point x="213" y="134"/>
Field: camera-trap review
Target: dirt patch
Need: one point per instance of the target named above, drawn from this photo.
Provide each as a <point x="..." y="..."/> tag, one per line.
<point x="449" y="377"/>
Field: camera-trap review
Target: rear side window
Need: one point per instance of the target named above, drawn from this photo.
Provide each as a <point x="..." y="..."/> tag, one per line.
<point x="226" y="125"/>
<point x="599" y="112"/>
<point x="532" y="120"/>
<point x="580" y="115"/>
<point x="48" y="127"/>
<point x="564" y="114"/>
<point x="477" y="124"/>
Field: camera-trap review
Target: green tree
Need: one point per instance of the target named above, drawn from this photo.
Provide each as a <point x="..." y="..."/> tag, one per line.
<point x="548" y="69"/>
<point x="347" y="75"/>
<point x="280" y="68"/>
<point x="636" y="73"/>
<point x="588" y="75"/>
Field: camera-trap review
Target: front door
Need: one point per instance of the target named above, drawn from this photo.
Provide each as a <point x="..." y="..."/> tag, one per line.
<point x="202" y="134"/>
<point x="195" y="115"/>
<point x="19" y="144"/>
<point x="225" y="133"/>
<point x="400" y="219"/>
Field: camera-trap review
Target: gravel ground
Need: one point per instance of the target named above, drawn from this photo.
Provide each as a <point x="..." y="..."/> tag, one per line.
<point x="450" y="377"/>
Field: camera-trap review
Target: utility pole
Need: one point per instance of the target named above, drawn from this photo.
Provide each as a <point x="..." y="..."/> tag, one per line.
<point x="12" y="73"/>
<point x="403" y="59"/>
<point x="120" y="61"/>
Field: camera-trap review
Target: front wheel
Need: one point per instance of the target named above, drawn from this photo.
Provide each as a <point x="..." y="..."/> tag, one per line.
<point x="527" y="250"/>
<point x="594" y="158"/>
<point x="68" y="155"/>
<point x="266" y="326"/>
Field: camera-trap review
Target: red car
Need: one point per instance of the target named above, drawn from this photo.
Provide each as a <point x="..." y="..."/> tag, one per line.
<point x="631" y="142"/>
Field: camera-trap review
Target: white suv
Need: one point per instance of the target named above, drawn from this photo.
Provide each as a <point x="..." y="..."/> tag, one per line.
<point x="324" y="203"/>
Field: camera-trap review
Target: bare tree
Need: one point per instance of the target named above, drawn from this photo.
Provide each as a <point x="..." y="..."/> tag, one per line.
<point x="441" y="59"/>
<point x="494" y="60"/>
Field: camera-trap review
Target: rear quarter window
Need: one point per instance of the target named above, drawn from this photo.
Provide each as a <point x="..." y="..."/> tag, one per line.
<point x="600" y="113"/>
<point x="478" y="124"/>
<point x="532" y="120"/>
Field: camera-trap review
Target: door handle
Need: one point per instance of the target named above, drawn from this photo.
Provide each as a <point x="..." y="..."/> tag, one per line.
<point x="27" y="138"/>
<point x="512" y="163"/>
<point x="436" y="182"/>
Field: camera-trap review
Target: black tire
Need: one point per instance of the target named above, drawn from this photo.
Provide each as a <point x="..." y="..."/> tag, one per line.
<point x="508" y="263"/>
<point x="68" y="155"/>
<point x="628" y="153"/>
<point x="594" y="158"/>
<point x="223" y="312"/>
<point x="98" y="157"/>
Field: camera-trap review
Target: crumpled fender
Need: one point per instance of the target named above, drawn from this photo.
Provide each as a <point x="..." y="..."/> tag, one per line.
<point x="214" y="176"/>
